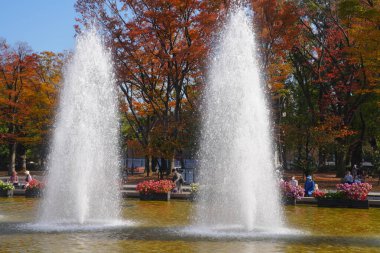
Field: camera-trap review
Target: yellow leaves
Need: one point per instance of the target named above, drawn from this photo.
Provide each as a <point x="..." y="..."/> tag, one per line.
<point x="28" y="100"/>
<point x="363" y="21"/>
<point x="363" y="91"/>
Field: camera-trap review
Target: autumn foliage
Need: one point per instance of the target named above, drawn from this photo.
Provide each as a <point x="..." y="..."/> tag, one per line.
<point x="160" y="49"/>
<point x="321" y="71"/>
<point x="320" y="61"/>
<point x="28" y="93"/>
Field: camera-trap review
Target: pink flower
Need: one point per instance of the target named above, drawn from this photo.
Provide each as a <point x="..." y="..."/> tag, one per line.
<point x="355" y="191"/>
<point x="290" y="191"/>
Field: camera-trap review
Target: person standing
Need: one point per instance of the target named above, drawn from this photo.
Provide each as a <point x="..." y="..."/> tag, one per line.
<point x="309" y="186"/>
<point x="178" y="180"/>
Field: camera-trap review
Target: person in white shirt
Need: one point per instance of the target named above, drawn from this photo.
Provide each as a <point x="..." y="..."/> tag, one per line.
<point x="294" y="181"/>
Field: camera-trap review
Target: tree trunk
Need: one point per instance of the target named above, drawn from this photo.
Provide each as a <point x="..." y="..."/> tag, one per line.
<point x="307" y="169"/>
<point x="340" y="163"/>
<point x="164" y="167"/>
<point x="150" y="163"/>
<point x="357" y="148"/>
<point x="182" y="161"/>
<point x="12" y="158"/>
<point x="356" y="153"/>
<point x="172" y="163"/>
<point x="24" y="162"/>
<point x="147" y="165"/>
<point x="299" y="152"/>
<point x="283" y="157"/>
<point x="321" y="158"/>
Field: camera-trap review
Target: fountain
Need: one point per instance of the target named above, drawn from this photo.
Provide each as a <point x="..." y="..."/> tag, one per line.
<point x="83" y="167"/>
<point x="236" y="161"/>
<point x="238" y="210"/>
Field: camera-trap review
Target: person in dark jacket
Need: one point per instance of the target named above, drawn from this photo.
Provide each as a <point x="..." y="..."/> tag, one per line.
<point x="309" y="186"/>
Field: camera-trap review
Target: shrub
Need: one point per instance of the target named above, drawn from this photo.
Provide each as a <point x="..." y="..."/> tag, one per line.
<point x="194" y="187"/>
<point x="6" y="186"/>
<point x="331" y="195"/>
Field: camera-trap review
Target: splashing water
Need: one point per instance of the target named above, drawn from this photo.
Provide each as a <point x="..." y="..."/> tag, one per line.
<point x="236" y="162"/>
<point x="84" y="160"/>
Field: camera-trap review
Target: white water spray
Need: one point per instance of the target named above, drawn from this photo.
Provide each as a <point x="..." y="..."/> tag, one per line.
<point x="236" y="161"/>
<point x="84" y="162"/>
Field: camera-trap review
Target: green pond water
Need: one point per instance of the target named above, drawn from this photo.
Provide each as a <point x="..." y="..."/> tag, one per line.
<point x="163" y="227"/>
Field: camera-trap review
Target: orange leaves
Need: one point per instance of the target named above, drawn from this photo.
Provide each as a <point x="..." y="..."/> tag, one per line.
<point x="331" y="129"/>
<point x="28" y="88"/>
<point x="275" y="23"/>
<point x="277" y="86"/>
<point x="159" y="50"/>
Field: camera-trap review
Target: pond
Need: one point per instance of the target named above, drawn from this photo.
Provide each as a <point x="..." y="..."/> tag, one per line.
<point x="162" y="227"/>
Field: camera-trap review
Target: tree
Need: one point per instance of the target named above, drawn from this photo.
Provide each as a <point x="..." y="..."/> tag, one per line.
<point x="332" y="84"/>
<point x="160" y="49"/>
<point x="16" y="67"/>
<point x="362" y="19"/>
<point x="42" y="101"/>
<point x="27" y="96"/>
<point x="276" y="27"/>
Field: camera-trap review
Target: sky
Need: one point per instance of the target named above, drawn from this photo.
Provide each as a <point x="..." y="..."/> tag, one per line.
<point x="45" y="25"/>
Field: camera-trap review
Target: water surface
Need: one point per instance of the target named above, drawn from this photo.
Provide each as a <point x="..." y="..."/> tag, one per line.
<point x="163" y="227"/>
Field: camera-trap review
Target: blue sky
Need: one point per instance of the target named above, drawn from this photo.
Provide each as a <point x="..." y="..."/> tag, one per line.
<point x="43" y="24"/>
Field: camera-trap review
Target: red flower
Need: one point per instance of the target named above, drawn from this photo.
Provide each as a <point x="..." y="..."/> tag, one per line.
<point x="152" y="186"/>
<point x="35" y="184"/>
<point x="319" y="194"/>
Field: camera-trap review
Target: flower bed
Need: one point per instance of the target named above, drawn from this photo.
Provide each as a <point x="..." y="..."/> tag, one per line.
<point x="155" y="190"/>
<point x="6" y="189"/>
<point x="355" y="191"/>
<point x="291" y="193"/>
<point x="347" y="195"/>
<point x="34" y="189"/>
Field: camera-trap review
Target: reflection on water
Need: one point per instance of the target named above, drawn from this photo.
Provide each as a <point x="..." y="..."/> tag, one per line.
<point x="162" y="227"/>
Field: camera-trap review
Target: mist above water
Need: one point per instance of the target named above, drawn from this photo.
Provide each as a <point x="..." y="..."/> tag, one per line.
<point x="239" y="190"/>
<point x="83" y="168"/>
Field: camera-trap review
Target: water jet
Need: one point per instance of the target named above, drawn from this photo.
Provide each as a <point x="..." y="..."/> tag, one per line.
<point x="83" y="168"/>
<point x="236" y="161"/>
